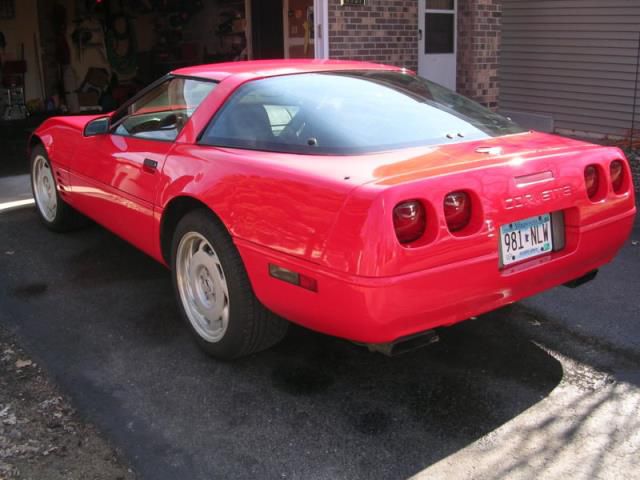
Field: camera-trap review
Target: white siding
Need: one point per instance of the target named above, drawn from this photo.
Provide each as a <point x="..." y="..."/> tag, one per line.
<point x="574" y="60"/>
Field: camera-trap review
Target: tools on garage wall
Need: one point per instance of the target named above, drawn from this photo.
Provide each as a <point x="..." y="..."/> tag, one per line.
<point x="137" y="41"/>
<point x="13" y="88"/>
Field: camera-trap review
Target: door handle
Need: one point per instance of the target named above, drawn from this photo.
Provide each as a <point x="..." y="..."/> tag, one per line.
<point x="149" y="165"/>
<point x="419" y="34"/>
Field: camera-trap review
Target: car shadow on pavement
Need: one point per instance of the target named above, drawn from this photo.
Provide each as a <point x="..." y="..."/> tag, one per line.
<point x="100" y="317"/>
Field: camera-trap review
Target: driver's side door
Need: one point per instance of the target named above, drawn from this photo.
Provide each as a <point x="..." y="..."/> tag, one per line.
<point x="115" y="176"/>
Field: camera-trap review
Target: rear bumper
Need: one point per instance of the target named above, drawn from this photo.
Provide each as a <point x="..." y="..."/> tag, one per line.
<point x="379" y="310"/>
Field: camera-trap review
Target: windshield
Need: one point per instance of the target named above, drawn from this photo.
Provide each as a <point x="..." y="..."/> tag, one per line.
<point x="349" y="112"/>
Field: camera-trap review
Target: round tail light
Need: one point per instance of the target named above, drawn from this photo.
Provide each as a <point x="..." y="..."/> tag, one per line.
<point x="617" y="175"/>
<point x="409" y="221"/>
<point x="592" y="180"/>
<point x="457" y="210"/>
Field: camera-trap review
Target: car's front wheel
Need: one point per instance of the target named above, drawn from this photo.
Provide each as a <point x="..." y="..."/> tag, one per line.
<point x="52" y="209"/>
<point x="214" y="292"/>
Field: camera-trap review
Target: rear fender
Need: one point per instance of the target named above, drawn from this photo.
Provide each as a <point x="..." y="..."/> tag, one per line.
<point x="256" y="197"/>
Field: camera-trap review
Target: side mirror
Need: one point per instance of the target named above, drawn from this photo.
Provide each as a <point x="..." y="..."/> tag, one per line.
<point x="97" y="126"/>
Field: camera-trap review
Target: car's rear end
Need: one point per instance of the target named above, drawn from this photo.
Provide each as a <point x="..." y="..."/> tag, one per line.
<point x="479" y="216"/>
<point x="425" y="247"/>
<point x="473" y="240"/>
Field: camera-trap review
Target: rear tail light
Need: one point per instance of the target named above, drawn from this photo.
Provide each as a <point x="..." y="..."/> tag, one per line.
<point x="617" y="176"/>
<point x="592" y="180"/>
<point x="409" y="221"/>
<point x="457" y="210"/>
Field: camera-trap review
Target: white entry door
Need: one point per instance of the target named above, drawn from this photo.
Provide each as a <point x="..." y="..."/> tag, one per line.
<point x="321" y="29"/>
<point x="437" y="41"/>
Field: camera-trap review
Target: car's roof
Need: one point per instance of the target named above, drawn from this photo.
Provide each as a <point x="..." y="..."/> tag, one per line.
<point x="269" y="68"/>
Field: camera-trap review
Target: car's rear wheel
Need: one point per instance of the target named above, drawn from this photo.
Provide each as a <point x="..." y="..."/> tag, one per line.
<point x="52" y="209"/>
<point x="214" y="292"/>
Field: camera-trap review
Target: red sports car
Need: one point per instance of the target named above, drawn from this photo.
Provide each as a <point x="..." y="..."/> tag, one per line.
<point x="355" y="199"/>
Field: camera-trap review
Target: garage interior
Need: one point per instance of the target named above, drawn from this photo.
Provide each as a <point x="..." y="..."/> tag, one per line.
<point x="93" y="55"/>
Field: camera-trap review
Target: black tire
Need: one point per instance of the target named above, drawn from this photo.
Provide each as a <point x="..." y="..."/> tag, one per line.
<point x="251" y="327"/>
<point x="65" y="218"/>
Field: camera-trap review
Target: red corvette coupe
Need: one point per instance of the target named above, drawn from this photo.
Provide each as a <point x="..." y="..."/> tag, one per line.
<point x="355" y="199"/>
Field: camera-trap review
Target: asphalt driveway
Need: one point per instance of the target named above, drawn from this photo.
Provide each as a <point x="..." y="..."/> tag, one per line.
<point x="100" y="317"/>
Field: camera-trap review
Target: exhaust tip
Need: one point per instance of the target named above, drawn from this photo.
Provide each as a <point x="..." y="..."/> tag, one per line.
<point x="405" y="344"/>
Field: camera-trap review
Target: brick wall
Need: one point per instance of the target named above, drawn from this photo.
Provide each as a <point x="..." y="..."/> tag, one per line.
<point x="383" y="31"/>
<point x="479" y="24"/>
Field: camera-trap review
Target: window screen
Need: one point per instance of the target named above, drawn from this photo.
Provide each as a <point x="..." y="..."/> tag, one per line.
<point x="440" y="32"/>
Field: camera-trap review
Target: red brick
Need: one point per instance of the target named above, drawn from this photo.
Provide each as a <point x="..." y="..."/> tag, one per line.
<point x="479" y="26"/>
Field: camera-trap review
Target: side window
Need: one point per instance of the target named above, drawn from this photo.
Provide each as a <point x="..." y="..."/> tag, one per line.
<point x="162" y="112"/>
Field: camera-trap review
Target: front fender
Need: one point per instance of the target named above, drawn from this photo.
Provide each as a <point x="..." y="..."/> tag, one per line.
<point x="60" y="137"/>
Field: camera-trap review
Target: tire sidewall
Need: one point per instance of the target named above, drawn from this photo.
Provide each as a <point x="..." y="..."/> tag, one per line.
<point x="234" y="338"/>
<point x="39" y="151"/>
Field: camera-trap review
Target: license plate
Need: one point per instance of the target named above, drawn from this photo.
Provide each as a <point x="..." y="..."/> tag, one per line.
<point x="525" y="239"/>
